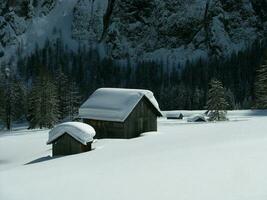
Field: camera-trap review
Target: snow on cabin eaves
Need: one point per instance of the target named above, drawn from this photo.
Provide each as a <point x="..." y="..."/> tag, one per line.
<point x="114" y="104"/>
<point x="83" y="133"/>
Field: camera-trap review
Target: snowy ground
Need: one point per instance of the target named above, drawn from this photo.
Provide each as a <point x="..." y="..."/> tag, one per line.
<point x="189" y="161"/>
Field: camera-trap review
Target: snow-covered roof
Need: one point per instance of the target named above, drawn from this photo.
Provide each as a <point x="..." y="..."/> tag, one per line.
<point x="197" y="117"/>
<point x="114" y="104"/>
<point x="173" y="114"/>
<point x="82" y="132"/>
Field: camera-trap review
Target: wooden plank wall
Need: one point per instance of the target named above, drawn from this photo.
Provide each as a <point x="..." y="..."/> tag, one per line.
<point x="142" y="119"/>
<point x="67" y="145"/>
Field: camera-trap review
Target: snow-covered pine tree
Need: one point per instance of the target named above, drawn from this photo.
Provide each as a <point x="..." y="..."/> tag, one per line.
<point x="197" y="99"/>
<point x="12" y="98"/>
<point x="1" y="104"/>
<point x="51" y="111"/>
<point x="62" y="84"/>
<point x="230" y="98"/>
<point x="246" y="104"/>
<point x="19" y="99"/>
<point x="261" y="87"/>
<point x="34" y="114"/>
<point x="6" y="85"/>
<point x="181" y="97"/>
<point x="73" y="99"/>
<point x="68" y="96"/>
<point x="216" y="103"/>
<point x="43" y="104"/>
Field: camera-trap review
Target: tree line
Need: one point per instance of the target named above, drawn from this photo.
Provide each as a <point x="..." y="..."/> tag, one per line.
<point x="53" y="81"/>
<point x="43" y="101"/>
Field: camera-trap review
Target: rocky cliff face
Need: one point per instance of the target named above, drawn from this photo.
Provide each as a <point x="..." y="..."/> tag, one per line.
<point x="16" y="17"/>
<point x="183" y="29"/>
<point x="168" y="30"/>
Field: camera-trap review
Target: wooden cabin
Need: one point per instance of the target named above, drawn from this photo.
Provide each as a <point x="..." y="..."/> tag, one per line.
<point x="71" y="138"/>
<point x="120" y="113"/>
<point x="174" y="116"/>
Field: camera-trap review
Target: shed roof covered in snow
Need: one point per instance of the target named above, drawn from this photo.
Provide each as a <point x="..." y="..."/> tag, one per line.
<point x="115" y="104"/>
<point x="174" y="115"/>
<point x="83" y="133"/>
<point x="197" y="118"/>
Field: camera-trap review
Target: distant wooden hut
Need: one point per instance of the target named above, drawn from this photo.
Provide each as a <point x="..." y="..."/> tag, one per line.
<point x="174" y="116"/>
<point x="120" y="113"/>
<point x="71" y="138"/>
<point x="197" y="118"/>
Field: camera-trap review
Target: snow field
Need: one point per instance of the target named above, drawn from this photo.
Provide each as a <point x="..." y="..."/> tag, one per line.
<point x="225" y="160"/>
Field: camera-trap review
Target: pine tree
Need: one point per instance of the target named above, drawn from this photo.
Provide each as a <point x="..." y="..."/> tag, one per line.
<point x="43" y="104"/>
<point x="181" y="97"/>
<point x="230" y="98"/>
<point x="1" y="104"/>
<point x="12" y="99"/>
<point x="62" y="84"/>
<point x="51" y="112"/>
<point x="68" y="96"/>
<point x="73" y="99"/>
<point x="8" y="99"/>
<point x="261" y="87"/>
<point x="34" y="114"/>
<point x="216" y="103"/>
<point x="19" y="99"/>
<point x="197" y="99"/>
<point x="247" y="103"/>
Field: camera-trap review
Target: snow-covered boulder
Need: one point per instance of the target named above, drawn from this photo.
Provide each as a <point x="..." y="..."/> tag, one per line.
<point x="82" y="132"/>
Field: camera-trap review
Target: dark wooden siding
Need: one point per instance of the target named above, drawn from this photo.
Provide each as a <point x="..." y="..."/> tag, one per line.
<point x="107" y="129"/>
<point x="142" y="119"/>
<point x="67" y="145"/>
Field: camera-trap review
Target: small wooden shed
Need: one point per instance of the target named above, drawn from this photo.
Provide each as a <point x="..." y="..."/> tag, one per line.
<point x="174" y="116"/>
<point x="120" y="113"/>
<point x="71" y="138"/>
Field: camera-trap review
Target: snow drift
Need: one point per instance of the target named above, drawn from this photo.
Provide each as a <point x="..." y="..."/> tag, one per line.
<point x="206" y="161"/>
